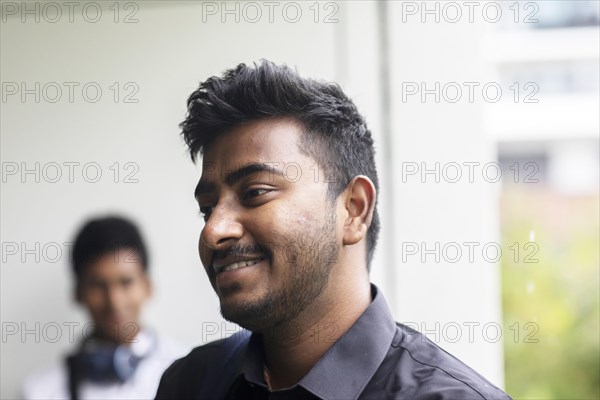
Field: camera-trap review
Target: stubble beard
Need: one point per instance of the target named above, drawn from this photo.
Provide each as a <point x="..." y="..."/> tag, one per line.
<point x="310" y="257"/>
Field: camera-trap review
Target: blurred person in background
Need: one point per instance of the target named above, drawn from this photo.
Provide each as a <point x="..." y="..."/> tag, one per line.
<point x="118" y="358"/>
<point x="288" y="192"/>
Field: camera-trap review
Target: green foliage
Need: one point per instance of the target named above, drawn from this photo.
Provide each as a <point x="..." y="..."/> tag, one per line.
<point x="557" y="291"/>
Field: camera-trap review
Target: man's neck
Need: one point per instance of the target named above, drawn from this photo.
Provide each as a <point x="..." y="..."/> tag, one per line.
<point x="116" y="338"/>
<point x="291" y="351"/>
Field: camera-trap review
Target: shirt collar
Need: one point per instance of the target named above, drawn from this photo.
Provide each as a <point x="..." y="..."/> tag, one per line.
<point x="349" y="364"/>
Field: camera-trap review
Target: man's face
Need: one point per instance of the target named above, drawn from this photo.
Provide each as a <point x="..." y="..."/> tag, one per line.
<point x="270" y="238"/>
<point x="113" y="288"/>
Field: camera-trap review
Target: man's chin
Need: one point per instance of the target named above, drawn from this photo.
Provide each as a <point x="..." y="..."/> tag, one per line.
<point x="253" y="317"/>
<point x="121" y="332"/>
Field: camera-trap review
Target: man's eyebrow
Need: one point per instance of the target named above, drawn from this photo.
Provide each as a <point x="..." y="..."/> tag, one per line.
<point x="235" y="176"/>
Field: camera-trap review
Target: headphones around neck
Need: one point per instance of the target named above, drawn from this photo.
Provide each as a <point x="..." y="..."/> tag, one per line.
<point x="103" y="362"/>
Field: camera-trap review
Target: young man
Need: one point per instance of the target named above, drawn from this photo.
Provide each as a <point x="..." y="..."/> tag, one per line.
<point x="288" y="192"/>
<point x="118" y="359"/>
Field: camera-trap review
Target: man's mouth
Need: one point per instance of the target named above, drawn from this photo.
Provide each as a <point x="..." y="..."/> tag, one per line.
<point x="219" y="267"/>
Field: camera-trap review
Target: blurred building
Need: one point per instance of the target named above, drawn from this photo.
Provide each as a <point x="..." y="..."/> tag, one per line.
<point x="550" y="119"/>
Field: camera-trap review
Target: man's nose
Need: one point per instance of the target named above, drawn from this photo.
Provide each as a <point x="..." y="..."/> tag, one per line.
<point x="115" y="296"/>
<point x="222" y="227"/>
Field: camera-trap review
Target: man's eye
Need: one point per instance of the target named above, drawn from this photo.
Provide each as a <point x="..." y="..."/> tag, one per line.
<point x="205" y="212"/>
<point x="95" y="284"/>
<point x="254" y="193"/>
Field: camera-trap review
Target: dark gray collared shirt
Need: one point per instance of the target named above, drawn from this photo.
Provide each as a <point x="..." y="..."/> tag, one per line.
<point x="376" y="358"/>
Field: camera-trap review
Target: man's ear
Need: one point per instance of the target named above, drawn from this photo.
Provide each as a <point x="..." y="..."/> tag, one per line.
<point x="359" y="202"/>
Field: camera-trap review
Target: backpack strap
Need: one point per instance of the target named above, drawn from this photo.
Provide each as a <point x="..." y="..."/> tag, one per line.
<point x="73" y="377"/>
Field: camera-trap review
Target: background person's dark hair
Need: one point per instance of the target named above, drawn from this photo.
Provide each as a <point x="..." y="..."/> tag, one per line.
<point x="100" y="236"/>
<point x="335" y="134"/>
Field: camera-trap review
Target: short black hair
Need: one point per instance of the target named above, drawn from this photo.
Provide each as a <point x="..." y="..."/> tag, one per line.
<point x="103" y="235"/>
<point x="335" y="134"/>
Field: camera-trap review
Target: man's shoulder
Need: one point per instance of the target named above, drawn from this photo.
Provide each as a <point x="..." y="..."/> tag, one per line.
<point x="198" y="358"/>
<point x="426" y="370"/>
<point x="185" y="376"/>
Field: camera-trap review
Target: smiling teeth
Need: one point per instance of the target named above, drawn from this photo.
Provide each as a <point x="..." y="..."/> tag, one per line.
<point x="240" y="264"/>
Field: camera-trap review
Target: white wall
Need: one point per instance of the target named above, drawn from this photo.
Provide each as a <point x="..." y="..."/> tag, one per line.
<point x="171" y="48"/>
<point x="453" y="297"/>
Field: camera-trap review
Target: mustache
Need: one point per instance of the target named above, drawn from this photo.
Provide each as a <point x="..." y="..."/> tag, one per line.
<point x="239" y="251"/>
